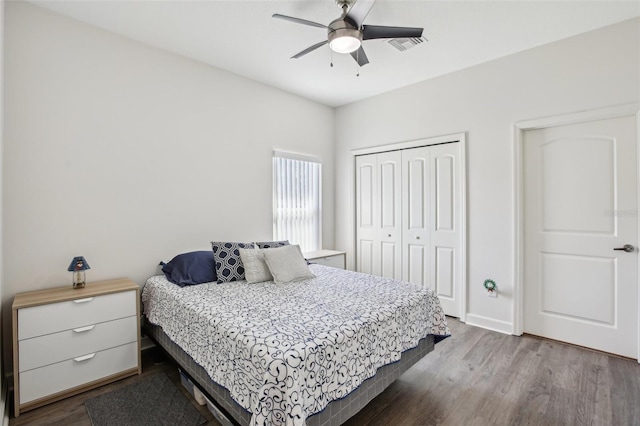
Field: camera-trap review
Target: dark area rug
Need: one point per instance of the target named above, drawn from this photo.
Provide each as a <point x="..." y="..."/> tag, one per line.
<point x="155" y="401"/>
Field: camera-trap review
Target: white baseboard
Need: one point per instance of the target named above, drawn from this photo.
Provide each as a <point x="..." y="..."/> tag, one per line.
<point x="489" y="323"/>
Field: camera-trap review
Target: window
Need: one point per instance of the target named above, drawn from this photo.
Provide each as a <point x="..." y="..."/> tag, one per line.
<point x="297" y="195"/>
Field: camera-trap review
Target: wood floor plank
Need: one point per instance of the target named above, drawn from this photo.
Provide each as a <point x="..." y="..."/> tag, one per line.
<point x="625" y="408"/>
<point x="602" y="409"/>
<point x="476" y="377"/>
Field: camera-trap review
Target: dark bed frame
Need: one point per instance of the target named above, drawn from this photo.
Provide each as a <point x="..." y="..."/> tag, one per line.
<point x="336" y="413"/>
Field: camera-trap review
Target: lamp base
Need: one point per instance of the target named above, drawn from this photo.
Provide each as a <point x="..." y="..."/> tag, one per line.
<point x="79" y="278"/>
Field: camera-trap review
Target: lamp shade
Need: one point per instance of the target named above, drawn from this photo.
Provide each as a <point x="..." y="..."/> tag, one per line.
<point x="78" y="263"/>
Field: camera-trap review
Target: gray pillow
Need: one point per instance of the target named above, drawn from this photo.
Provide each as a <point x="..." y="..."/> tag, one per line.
<point x="255" y="267"/>
<point x="287" y="264"/>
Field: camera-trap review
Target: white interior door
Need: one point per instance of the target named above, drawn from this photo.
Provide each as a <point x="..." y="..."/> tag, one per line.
<point x="580" y="205"/>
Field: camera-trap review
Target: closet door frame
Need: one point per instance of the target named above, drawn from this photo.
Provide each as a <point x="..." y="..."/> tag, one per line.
<point x="462" y="166"/>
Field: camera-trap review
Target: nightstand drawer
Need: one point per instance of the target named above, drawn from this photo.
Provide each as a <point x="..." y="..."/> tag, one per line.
<point x="51" y="318"/>
<point x="51" y="379"/>
<point x="52" y="348"/>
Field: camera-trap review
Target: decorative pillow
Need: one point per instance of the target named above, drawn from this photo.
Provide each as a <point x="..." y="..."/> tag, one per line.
<point x="272" y="244"/>
<point x="191" y="268"/>
<point x="255" y="267"/>
<point x="228" y="263"/>
<point x="287" y="264"/>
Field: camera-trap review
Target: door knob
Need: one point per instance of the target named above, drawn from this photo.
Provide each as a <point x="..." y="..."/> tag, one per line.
<point x="627" y="247"/>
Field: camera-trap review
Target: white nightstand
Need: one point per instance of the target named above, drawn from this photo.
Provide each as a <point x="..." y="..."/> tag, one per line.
<point x="333" y="258"/>
<point x="67" y="341"/>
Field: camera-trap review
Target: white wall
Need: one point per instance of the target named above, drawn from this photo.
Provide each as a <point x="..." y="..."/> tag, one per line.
<point x="589" y="71"/>
<point x="128" y="155"/>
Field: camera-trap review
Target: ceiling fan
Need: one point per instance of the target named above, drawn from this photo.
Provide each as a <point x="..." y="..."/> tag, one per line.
<point x="346" y="34"/>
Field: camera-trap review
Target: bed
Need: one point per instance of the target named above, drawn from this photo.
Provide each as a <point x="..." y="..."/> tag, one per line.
<point x="310" y="352"/>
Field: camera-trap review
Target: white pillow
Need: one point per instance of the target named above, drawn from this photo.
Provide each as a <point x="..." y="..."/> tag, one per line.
<point x="255" y="268"/>
<point x="287" y="264"/>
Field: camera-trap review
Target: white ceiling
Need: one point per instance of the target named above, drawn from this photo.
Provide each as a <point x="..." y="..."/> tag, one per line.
<point x="241" y="36"/>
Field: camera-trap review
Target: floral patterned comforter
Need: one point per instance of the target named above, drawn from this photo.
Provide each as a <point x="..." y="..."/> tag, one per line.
<point x="286" y="350"/>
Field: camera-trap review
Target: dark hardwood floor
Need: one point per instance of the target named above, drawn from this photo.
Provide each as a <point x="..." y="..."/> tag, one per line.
<point x="476" y="377"/>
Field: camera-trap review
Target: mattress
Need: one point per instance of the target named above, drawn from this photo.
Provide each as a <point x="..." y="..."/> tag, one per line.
<point x="286" y="351"/>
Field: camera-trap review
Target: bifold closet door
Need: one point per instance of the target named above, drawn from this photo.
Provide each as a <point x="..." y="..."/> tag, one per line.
<point x="409" y="220"/>
<point x="378" y="214"/>
<point x="445" y="258"/>
<point x="431" y="221"/>
<point x="416" y="215"/>
<point x="366" y="212"/>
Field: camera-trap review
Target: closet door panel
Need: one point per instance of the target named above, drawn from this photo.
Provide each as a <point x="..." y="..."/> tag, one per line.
<point x="417" y="169"/>
<point x="416" y="267"/>
<point x="365" y="256"/>
<point x="388" y="194"/>
<point x="445" y="225"/>
<point x="444" y="191"/>
<point x="388" y="263"/>
<point x="416" y="215"/>
<point x="444" y="271"/>
<point x="367" y="197"/>
<point x="366" y="213"/>
<point x="390" y="208"/>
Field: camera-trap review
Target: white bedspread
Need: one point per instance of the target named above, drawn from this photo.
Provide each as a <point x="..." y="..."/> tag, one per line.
<point x="285" y="351"/>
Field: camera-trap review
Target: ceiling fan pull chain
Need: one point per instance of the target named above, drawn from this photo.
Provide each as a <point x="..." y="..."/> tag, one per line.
<point x="331" y="57"/>
<point x="358" y="63"/>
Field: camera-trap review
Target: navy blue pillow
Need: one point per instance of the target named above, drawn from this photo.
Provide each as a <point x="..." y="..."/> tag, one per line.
<point x="191" y="268"/>
<point x="272" y="244"/>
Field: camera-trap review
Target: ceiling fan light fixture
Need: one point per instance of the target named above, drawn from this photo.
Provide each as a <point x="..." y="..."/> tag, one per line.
<point x="345" y="40"/>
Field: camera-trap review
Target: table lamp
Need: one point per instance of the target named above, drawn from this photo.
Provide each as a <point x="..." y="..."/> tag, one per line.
<point x="78" y="266"/>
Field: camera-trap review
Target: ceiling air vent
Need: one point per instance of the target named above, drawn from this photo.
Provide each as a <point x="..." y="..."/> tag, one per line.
<point x="403" y="44"/>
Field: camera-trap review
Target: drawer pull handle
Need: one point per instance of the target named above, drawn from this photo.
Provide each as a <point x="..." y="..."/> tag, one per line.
<point x="81" y="329"/>
<point x="88" y="299"/>
<point x="84" y="357"/>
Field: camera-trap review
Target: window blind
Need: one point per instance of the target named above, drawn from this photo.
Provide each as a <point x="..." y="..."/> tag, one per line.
<point x="297" y="194"/>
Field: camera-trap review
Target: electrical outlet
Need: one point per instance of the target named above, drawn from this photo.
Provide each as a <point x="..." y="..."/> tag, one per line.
<point x="491" y="288"/>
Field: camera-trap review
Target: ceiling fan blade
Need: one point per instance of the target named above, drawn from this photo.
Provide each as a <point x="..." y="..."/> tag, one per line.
<point x="309" y="49"/>
<point x="360" y="57"/>
<point x="376" y="31"/>
<point x="298" y="20"/>
<point x="360" y="10"/>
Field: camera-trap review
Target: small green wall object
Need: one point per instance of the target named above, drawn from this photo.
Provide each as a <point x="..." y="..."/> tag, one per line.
<point x="490" y="285"/>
